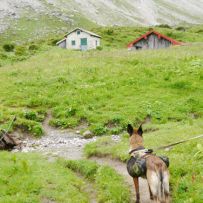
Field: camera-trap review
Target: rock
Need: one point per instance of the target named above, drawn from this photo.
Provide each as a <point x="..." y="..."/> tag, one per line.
<point x="115" y="138"/>
<point x="88" y="134"/>
<point x="77" y="132"/>
<point x="168" y="149"/>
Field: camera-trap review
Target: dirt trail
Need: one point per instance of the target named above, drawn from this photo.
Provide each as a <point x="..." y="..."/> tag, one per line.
<point x="121" y="169"/>
<point x="69" y="145"/>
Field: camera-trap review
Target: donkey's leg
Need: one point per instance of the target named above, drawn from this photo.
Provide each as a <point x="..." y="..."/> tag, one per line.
<point x="136" y="183"/>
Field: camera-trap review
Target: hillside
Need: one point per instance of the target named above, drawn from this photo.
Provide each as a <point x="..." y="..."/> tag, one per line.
<point x="41" y="17"/>
<point x="103" y="90"/>
<point x="118" y="86"/>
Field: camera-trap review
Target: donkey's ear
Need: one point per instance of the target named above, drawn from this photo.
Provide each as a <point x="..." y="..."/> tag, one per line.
<point x="140" y="131"/>
<point x="130" y="129"/>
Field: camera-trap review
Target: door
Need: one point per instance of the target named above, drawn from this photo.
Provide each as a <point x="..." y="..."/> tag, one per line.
<point x="83" y="43"/>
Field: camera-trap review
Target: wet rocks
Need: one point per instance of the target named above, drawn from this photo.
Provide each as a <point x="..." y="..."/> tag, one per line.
<point x="88" y="134"/>
<point x="57" y="143"/>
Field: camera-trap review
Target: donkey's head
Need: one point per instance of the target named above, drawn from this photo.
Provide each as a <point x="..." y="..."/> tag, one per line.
<point x="136" y="139"/>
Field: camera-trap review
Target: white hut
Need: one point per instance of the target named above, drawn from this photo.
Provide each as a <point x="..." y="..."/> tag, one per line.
<point x="80" y="39"/>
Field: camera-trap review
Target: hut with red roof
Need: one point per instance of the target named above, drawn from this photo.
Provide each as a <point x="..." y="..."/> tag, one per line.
<point x="152" y="40"/>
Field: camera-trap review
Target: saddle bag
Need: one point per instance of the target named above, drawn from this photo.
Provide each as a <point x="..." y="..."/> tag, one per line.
<point x="137" y="166"/>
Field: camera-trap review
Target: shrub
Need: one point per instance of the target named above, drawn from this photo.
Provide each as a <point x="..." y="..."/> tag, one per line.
<point x="37" y="130"/>
<point x="109" y="32"/>
<point x="98" y="129"/>
<point x="34" y="116"/>
<point x="8" y="47"/>
<point x="3" y="56"/>
<point x="20" y="51"/>
<point x="164" y="26"/>
<point x="199" y="31"/>
<point x="30" y="126"/>
<point x="99" y="48"/>
<point x="71" y="111"/>
<point x="33" y="47"/>
<point x="180" y="28"/>
<point x="30" y="115"/>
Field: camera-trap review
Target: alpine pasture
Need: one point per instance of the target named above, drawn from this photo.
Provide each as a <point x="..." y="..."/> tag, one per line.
<point x="105" y="89"/>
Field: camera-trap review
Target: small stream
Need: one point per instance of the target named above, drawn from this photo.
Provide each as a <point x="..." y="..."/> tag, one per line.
<point x="67" y="144"/>
<point x="64" y="144"/>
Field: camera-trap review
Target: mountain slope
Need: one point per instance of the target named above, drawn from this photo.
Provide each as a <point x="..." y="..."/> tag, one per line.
<point x="105" y="12"/>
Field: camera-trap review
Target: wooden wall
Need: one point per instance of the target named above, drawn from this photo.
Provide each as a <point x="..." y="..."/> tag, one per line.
<point x="152" y="42"/>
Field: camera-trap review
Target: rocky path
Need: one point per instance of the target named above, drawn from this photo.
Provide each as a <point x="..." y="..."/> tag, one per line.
<point x="69" y="145"/>
<point x="57" y="143"/>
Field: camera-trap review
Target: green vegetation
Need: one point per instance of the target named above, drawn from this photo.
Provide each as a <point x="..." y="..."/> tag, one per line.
<point x="112" y="37"/>
<point x="108" y="89"/>
<point x="120" y="37"/>
<point x="8" y="47"/>
<point x="110" y="186"/>
<point x="30" y="178"/>
<point x="185" y="160"/>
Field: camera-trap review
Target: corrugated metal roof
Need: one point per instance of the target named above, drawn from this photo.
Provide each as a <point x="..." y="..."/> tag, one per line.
<point x="174" y="42"/>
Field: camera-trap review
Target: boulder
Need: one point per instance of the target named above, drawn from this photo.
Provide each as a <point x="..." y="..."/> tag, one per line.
<point x="88" y="134"/>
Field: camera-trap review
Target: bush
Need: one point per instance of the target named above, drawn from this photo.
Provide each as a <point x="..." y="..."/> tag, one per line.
<point x="180" y="28"/>
<point x="20" y="51"/>
<point x="99" y="48"/>
<point x="29" y="126"/>
<point x="30" y="115"/>
<point x="53" y="42"/>
<point x="98" y="129"/>
<point x="164" y="26"/>
<point x="37" y="130"/>
<point x="34" y="116"/>
<point x="109" y="32"/>
<point x="33" y="47"/>
<point x="8" y="47"/>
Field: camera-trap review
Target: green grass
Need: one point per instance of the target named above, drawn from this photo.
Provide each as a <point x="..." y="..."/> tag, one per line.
<point x="185" y="159"/>
<point x="110" y="186"/>
<point x="31" y="178"/>
<point x="106" y="88"/>
<point x="120" y="37"/>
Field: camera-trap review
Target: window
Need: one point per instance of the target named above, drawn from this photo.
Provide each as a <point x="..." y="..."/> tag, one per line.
<point x="78" y="32"/>
<point x="73" y="42"/>
<point x="96" y="43"/>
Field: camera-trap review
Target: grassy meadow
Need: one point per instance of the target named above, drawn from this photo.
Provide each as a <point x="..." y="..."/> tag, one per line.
<point x="106" y="89"/>
<point x="31" y="178"/>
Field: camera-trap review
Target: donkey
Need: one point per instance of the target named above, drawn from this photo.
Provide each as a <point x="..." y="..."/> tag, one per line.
<point x="156" y="172"/>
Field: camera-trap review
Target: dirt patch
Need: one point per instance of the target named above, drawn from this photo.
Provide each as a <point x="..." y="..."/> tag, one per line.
<point x="56" y="143"/>
<point x="122" y="170"/>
